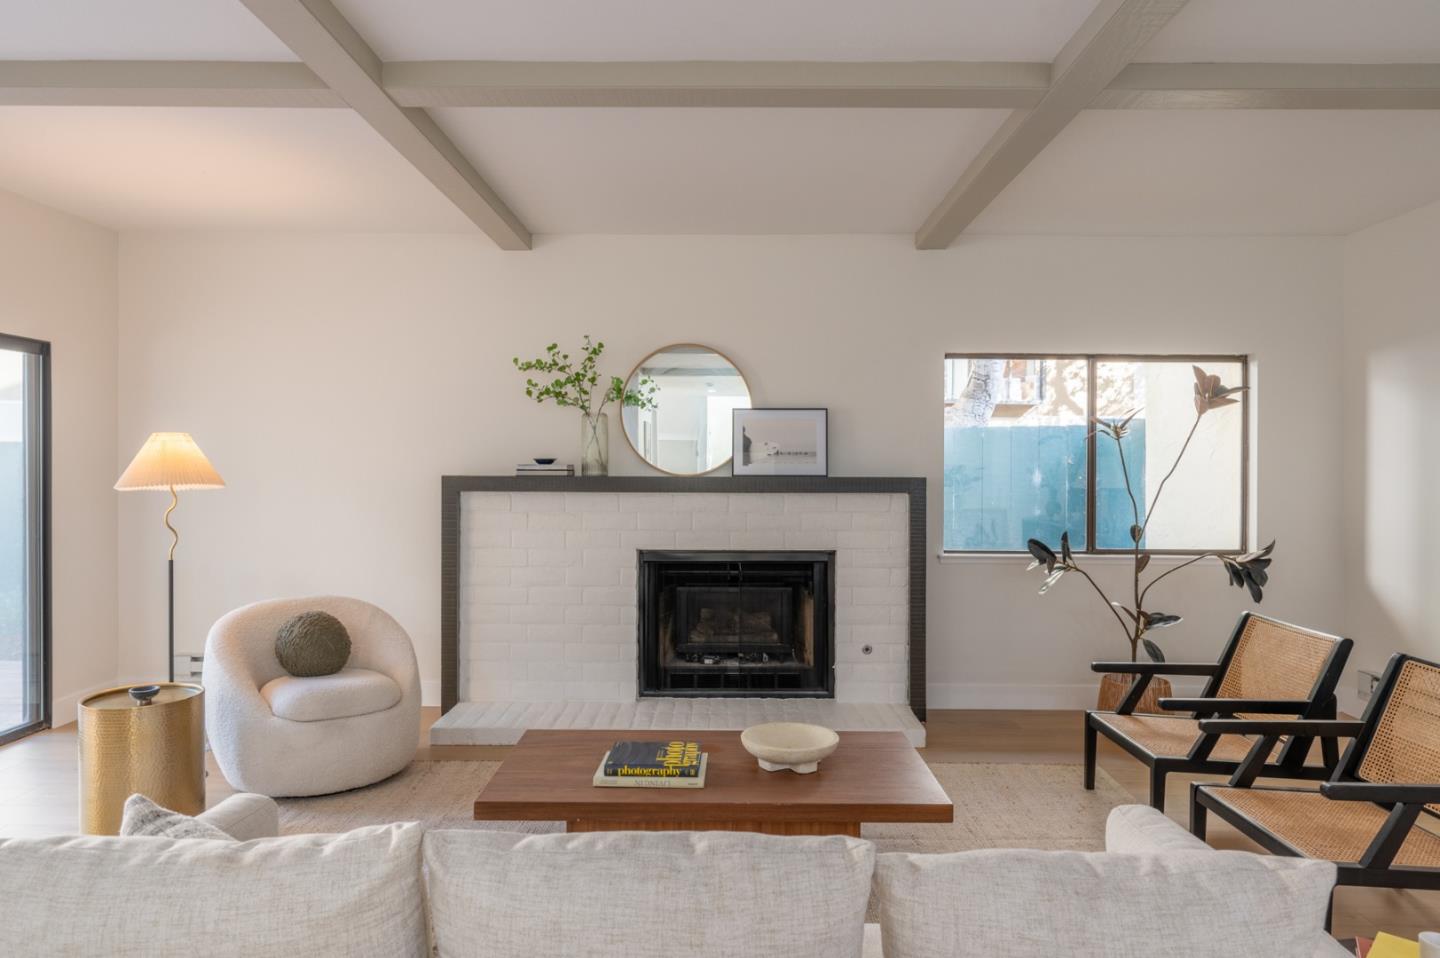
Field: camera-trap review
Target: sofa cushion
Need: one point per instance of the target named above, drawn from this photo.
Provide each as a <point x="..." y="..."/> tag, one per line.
<point x="646" y="894"/>
<point x="354" y="894"/>
<point x="244" y="816"/>
<point x="144" y="817"/>
<point x="1032" y="904"/>
<point x="1140" y="829"/>
<point x="317" y="698"/>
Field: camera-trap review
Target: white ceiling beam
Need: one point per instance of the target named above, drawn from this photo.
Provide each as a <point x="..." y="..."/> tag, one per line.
<point x="710" y="83"/>
<point x="329" y="45"/>
<point x="1106" y="42"/>
<point x="162" y="83"/>
<point x="943" y="84"/>
<point x="1274" y="86"/>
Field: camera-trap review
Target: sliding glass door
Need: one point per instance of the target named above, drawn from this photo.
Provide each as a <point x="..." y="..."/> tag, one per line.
<point x="24" y="536"/>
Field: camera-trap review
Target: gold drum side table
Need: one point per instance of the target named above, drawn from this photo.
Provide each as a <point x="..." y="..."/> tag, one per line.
<point x="147" y="739"/>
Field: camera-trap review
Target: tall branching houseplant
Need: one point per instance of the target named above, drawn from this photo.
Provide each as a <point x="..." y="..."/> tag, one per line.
<point x="1136" y="621"/>
<point x="578" y="385"/>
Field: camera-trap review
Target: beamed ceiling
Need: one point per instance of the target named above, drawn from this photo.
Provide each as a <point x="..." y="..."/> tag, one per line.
<point x="928" y="117"/>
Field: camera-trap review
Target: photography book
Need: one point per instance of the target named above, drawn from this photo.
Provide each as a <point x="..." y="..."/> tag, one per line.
<point x="653" y="759"/>
<point x="650" y="781"/>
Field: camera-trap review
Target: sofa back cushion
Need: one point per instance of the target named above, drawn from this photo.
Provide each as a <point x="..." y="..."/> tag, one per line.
<point x="1032" y="904"/>
<point x="646" y="894"/>
<point x="356" y="894"/>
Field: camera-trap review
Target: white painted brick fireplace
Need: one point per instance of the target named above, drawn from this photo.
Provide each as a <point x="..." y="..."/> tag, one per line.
<point x="547" y="584"/>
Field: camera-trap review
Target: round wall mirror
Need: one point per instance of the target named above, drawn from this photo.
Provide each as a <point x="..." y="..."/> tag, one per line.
<point x="686" y="431"/>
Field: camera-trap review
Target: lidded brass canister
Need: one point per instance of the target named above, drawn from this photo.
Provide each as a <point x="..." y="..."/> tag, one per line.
<point x="146" y="739"/>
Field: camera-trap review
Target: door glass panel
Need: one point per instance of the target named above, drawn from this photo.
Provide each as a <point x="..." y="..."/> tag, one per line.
<point x="22" y="699"/>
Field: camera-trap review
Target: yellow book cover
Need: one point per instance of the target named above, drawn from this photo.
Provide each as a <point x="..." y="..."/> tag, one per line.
<point x="1389" y="946"/>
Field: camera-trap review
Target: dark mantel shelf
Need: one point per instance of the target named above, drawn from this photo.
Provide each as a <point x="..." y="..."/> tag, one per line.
<point x="451" y="488"/>
<point x="885" y="485"/>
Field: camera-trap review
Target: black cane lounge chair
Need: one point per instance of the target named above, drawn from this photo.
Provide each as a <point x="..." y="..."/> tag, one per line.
<point x="1268" y="668"/>
<point x="1367" y="817"/>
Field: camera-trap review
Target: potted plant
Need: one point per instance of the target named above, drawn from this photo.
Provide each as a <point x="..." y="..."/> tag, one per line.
<point x="578" y="385"/>
<point x="1135" y="619"/>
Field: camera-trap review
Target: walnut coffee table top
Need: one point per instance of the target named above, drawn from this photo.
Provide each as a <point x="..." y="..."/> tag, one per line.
<point x="871" y="777"/>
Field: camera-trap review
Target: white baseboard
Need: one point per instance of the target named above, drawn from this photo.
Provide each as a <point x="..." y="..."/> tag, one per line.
<point x="980" y="695"/>
<point x="65" y="709"/>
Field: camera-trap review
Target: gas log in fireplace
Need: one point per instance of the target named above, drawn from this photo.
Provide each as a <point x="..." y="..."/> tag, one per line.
<point x="737" y="623"/>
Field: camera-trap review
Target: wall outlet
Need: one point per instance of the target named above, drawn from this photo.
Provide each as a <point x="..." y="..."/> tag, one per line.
<point x="1368" y="681"/>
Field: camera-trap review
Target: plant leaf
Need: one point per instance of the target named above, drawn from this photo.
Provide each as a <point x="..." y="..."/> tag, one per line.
<point x="1053" y="578"/>
<point x="1141" y="561"/>
<point x="1043" y="553"/>
<point x="1159" y="620"/>
<point x="1135" y="533"/>
<point x="1153" y="650"/>
<point x="1065" y="547"/>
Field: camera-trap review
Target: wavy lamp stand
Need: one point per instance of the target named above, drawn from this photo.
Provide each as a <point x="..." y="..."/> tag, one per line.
<point x="169" y="462"/>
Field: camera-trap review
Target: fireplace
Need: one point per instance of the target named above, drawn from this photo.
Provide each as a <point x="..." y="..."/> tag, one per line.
<point x="736" y="623"/>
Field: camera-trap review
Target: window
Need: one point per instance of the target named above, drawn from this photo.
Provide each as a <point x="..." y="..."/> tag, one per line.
<point x="1022" y="460"/>
<point x="24" y="538"/>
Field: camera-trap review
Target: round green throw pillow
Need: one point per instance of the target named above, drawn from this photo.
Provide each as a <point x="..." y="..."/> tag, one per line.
<point x="312" y="643"/>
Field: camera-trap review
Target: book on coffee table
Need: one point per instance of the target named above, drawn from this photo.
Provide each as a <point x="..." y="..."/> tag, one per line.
<point x="650" y="781"/>
<point x="671" y="758"/>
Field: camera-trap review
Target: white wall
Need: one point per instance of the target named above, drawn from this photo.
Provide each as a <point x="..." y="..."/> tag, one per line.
<point x="1391" y="386"/>
<point x="334" y="378"/>
<point x="58" y="283"/>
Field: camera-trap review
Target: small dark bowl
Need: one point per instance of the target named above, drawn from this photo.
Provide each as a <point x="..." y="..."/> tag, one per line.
<point x="545" y="462"/>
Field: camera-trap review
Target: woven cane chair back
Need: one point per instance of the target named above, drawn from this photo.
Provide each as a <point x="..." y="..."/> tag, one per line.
<point x="1404" y="749"/>
<point x="1275" y="660"/>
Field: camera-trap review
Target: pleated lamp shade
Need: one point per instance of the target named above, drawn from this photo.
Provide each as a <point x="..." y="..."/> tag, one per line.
<point x="169" y="460"/>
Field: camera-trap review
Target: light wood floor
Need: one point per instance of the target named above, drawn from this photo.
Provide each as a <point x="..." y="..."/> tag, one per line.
<point x="39" y="791"/>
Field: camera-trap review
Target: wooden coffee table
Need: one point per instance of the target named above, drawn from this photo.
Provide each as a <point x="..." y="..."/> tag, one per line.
<point x="872" y="777"/>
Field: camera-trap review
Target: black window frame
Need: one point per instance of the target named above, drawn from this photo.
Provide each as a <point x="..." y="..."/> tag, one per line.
<point x="1092" y="360"/>
<point x="40" y="597"/>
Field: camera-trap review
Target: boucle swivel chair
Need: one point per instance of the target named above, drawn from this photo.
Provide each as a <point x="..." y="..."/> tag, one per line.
<point x="282" y="735"/>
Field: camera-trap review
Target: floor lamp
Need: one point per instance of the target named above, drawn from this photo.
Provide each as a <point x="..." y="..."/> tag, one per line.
<point x="170" y="462"/>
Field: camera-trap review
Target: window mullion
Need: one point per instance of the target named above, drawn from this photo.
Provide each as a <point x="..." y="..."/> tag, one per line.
<point x="1090" y="408"/>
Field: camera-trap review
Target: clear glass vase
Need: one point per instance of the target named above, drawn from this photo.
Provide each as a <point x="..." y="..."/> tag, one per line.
<point x="594" y="445"/>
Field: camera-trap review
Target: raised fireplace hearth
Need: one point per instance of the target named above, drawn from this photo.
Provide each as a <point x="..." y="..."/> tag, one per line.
<point x="736" y="624"/>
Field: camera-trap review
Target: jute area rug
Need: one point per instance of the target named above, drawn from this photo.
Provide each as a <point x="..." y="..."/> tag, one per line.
<point x="996" y="806"/>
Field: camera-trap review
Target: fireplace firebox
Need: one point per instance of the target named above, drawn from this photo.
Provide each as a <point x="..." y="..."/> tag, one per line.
<point x="737" y="623"/>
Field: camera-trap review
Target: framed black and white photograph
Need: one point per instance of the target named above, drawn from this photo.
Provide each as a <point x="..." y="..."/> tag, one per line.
<point x="781" y="442"/>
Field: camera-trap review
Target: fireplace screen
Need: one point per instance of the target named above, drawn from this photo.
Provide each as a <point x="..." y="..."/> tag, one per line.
<point x="736" y="623"/>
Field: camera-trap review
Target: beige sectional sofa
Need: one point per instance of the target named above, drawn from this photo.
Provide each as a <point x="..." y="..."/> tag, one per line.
<point x="397" y="891"/>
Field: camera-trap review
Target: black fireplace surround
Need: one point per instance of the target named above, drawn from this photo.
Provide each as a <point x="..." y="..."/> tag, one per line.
<point x="735" y="624"/>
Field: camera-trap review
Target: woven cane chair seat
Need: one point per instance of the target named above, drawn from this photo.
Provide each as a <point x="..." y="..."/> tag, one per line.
<point x="1319" y="827"/>
<point x="1167" y="737"/>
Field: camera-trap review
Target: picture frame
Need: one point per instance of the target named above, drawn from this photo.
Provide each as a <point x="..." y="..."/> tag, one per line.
<point x="781" y="442"/>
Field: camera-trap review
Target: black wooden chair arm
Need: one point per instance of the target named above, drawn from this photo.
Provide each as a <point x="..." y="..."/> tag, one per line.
<point x="1231" y="706"/>
<point x="1316" y="728"/>
<point x="1156" y="668"/>
<point x="1381" y="792"/>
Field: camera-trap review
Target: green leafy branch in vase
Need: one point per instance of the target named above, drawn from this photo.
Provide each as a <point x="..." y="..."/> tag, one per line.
<point x="1249" y="570"/>
<point x="579" y="384"/>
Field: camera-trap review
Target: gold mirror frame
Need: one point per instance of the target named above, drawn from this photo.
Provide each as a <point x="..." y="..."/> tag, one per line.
<point x="631" y="376"/>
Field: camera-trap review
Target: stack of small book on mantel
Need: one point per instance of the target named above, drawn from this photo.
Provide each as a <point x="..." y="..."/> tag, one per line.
<point x="652" y="765"/>
<point x="544" y="469"/>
